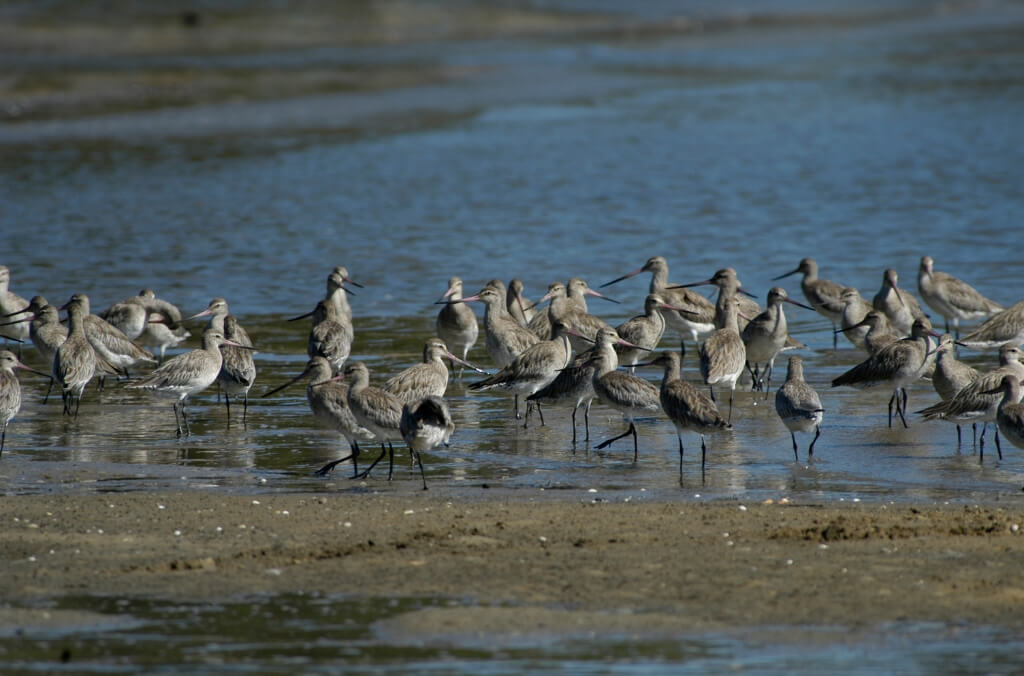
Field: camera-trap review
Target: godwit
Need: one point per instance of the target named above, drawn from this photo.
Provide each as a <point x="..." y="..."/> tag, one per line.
<point x="824" y="295"/>
<point x="896" y="365"/>
<point x="1010" y="414"/>
<point x="532" y="369"/>
<point x="425" y="423"/>
<point x="765" y="336"/>
<point x="951" y="297"/>
<point x="687" y="407"/>
<point x="951" y="375"/>
<point x="971" y="404"/>
<point x="723" y="355"/>
<point x="799" y="406"/>
<point x="574" y="383"/>
<point x="337" y="294"/>
<point x="10" y="391"/>
<point x="161" y="332"/>
<point x="12" y="304"/>
<point x="328" y="401"/>
<point x="1004" y="327"/>
<point x="701" y="313"/>
<point x="729" y="286"/>
<point x="898" y="305"/>
<point x="131" y="315"/>
<point x="558" y="296"/>
<point x="877" y="331"/>
<point x="456" y="322"/>
<point x="855" y="308"/>
<point x="376" y="410"/>
<point x="238" y="370"/>
<point x="110" y="344"/>
<point x="517" y="305"/>
<point x="631" y="396"/>
<point x="186" y="374"/>
<point x="329" y="337"/>
<point x="45" y="329"/>
<point x="504" y="338"/>
<point x="644" y="330"/>
<point x="74" y="363"/>
<point x="428" y="378"/>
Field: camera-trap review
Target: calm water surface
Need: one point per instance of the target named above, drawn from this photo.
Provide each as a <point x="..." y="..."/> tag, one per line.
<point x="865" y="142"/>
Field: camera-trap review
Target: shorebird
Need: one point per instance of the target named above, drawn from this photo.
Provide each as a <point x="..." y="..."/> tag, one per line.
<point x="162" y="332"/>
<point x="456" y="322"/>
<point x="10" y="391"/>
<point x="558" y="298"/>
<point x="951" y="297"/>
<point x="765" y="336"/>
<point x="951" y="375"/>
<point x="329" y="337"/>
<point x="898" y="305"/>
<point x="645" y="330"/>
<point x="631" y="396"/>
<point x="824" y="295"/>
<point x="12" y="304"/>
<point x="187" y="374"/>
<point x="328" y="401"/>
<point x="337" y="294"/>
<point x="428" y="378"/>
<point x="1010" y="414"/>
<point x="569" y="303"/>
<point x="701" y="313"/>
<point x="896" y="365"/>
<point x="131" y="315"/>
<point x="376" y="410"/>
<point x="74" y="363"/>
<point x="238" y="370"/>
<point x="686" y="406"/>
<point x="111" y="345"/>
<point x="877" y="331"/>
<point x="855" y="308"/>
<point x="1004" y="327"/>
<point x="729" y="286"/>
<point x="574" y="383"/>
<point x="45" y="329"/>
<point x="723" y="355"/>
<point x="517" y="305"/>
<point x="971" y="404"/>
<point x="504" y="337"/>
<point x="799" y="406"/>
<point x="424" y="424"/>
<point x="534" y="368"/>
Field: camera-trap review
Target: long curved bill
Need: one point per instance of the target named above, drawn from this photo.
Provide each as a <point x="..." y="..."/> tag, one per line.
<point x="308" y="314"/>
<point x="231" y="343"/>
<point x="11" y="338"/>
<point x="19" y="321"/>
<point x="464" y="363"/>
<point x="204" y="313"/>
<point x="791" y="272"/>
<point x="23" y="367"/>
<point x="16" y="312"/>
<point x="464" y="299"/>
<point x="294" y="380"/>
<point x="625" y="276"/>
<point x="690" y="285"/>
<point x="799" y="304"/>
<point x="591" y="292"/>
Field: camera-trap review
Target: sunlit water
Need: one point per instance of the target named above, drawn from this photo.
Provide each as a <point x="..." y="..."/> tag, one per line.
<point x="864" y="145"/>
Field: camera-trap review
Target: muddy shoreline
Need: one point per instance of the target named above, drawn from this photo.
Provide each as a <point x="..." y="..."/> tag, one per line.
<point x="626" y="565"/>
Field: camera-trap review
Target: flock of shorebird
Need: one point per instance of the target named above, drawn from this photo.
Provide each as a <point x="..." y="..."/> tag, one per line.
<point x="558" y="354"/>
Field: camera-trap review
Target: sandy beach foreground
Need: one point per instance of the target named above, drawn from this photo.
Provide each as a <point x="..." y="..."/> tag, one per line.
<point x="531" y="566"/>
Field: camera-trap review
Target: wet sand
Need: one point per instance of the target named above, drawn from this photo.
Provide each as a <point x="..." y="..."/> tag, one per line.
<point x="554" y="565"/>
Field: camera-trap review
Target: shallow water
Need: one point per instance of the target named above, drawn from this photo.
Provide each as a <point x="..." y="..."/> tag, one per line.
<point x="863" y="135"/>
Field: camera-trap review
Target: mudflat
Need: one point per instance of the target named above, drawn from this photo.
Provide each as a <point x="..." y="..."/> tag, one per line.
<point x="551" y="565"/>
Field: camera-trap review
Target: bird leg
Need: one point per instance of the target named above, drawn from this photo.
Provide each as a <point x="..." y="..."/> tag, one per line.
<point x="366" y="472"/>
<point x="353" y="456"/>
<point x="958" y="442"/>
<point x="999" y="449"/>
<point x="48" y="389"/>
<point x="810" y="449"/>
<point x="609" y="442"/>
<point x="515" y="406"/>
<point x="891" y="400"/>
<point x="981" y="446"/>
<point x="703" y="456"/>
<point x="586" y="418"/>
<point x="245" y="406"/>
<point x="540" y="412"/>
<point x="3" y="437"/>
<point x="391" y="460"/>
<point x="419" y="460"/>
<point x="574" y="425"/>
<point x="796" y="453"/>
<point x="184" y="418"/>
<point x="680" y="438"/>
<point x="730" y="407"/>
